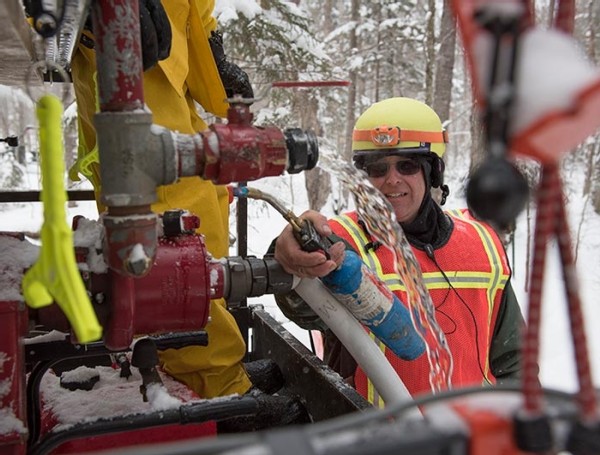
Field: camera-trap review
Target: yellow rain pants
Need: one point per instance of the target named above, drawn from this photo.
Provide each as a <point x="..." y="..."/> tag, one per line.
<point x="170" y="89"/>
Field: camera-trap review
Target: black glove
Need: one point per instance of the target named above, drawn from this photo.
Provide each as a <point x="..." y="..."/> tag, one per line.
<point x="235" y="80"/>
<point x="155" y="30"/>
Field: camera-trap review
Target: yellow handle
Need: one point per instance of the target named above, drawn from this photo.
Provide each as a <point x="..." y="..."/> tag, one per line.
<point x="84" y="166"/>
<point x="55" y="275"/>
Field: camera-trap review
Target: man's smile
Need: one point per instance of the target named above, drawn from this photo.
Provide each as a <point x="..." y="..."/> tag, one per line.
<point x="395" y="195"/>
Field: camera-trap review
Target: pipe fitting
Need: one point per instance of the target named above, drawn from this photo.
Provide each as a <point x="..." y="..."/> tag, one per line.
<point x="127" y="163"/>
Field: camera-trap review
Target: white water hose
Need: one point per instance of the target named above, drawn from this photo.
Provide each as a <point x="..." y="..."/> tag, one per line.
<point x="352" y="335"/>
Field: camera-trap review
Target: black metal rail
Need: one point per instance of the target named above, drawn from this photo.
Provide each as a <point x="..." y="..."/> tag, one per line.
<point x="35" y="196"/>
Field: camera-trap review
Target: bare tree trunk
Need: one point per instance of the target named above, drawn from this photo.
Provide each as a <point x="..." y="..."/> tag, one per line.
<point x="477" y="139"/>
<point x="378" y="62"/>
<point x="445" y="64"/>
<point x="591" y="45"/>
<point x="316" y="181"/>
<point x="326" y="22"/>
<point x="591" y="151"/>
<point x="353" y="76"/>
<point x="318" y="187"/>
<point x="592" y="178"/>
<point x="595" y="177"/>
<point x="430" y="62"/>
<point x="551" y="13"/>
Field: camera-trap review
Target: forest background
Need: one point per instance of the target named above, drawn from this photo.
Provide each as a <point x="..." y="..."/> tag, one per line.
<point x="383" y="48"/>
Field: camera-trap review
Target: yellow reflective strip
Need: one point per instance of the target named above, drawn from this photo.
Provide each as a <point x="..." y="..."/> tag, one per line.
<point x="372" y="394"/>
<point x="456" y="213"/>
<point x="353" y="229"/>
<point x="360" y="238"/>
<point x="375" y="263"/>
<point x="458" y="279"/>
<point x="493" y="257"/>
<point x="498" y="279"/>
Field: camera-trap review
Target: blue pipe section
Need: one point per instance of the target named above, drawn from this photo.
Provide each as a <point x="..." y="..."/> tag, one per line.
<point x="240" y="191"/>
<point x="375" y="306"/>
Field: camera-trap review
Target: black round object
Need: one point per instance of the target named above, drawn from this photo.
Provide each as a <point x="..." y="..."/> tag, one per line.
<point x="497" y="192"/>
<point x="303" y="150"/>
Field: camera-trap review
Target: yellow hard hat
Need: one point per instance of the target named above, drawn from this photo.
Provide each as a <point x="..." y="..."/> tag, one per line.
<point x="399" y="125"/>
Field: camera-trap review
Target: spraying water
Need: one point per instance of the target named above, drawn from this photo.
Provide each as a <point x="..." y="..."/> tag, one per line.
<point x="377" y="213"/>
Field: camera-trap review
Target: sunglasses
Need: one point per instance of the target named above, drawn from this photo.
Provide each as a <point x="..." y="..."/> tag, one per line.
<point x="381" y="168"/>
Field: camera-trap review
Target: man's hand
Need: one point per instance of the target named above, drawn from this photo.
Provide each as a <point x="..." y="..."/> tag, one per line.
<point x="304" y="264"/>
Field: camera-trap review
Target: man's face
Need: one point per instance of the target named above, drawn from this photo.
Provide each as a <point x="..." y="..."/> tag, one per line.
<point x="402" y="182"/>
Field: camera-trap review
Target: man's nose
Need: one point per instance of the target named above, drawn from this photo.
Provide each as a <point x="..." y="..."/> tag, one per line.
<point x="393" y="175"/>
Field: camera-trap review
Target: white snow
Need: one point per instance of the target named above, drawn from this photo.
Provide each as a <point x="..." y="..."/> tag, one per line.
<point x="79" y="374"/>
<point x="159" y="398"/>
<point x="9" y="422"/>
<point x="552" y="72"/>
<point x="53" y="335"/>
<point x="114" y="396"/>
<point x="556" y="362"/>
<point x="111" y="396"/>
<point x="226" y="10"/>
<point x="138" y="253"/>
<point x="90" y="234"/>
<point x="17" y="255"/>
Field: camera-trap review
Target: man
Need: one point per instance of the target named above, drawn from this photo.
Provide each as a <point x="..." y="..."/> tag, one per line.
<point x="399" y="143"/>
<point x="195" y="70"/>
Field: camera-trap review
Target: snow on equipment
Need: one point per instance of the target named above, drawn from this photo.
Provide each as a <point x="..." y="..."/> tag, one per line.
<point x="539" y="98"/>
<point x="139" y="283"/>
<point x="130" y="280"/>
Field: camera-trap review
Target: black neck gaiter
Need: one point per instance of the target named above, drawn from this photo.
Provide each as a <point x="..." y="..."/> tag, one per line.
<point x="430" y="227"/>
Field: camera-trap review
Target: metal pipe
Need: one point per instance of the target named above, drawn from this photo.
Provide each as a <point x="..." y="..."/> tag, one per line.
<point x="118" y="55"/>
<point x="127" y="190"/>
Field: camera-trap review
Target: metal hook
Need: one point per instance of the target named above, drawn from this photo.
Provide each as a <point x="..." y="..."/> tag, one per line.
<point x="49" y="66"/>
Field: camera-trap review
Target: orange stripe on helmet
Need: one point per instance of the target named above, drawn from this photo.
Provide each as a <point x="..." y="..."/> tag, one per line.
<point x="390" y="136"/>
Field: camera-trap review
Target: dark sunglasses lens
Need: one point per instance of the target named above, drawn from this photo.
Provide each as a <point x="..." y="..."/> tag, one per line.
<point x="376" y="170"/>
<point x="408" y="167"/>
<point x="380" y="169"/>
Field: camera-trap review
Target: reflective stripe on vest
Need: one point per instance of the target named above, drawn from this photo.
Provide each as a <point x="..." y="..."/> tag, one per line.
<point x="491" y="282"/>
<point x="497" y="279"/>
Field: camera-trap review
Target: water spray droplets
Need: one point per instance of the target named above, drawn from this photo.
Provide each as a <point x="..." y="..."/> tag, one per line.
<point x="379" y="217"/>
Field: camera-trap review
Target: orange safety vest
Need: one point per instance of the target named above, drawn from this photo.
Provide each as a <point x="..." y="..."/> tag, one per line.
<point x="475" y="263"/>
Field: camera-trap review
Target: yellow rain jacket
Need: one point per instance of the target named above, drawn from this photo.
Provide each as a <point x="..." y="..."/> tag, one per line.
<point x="170" y="89"/>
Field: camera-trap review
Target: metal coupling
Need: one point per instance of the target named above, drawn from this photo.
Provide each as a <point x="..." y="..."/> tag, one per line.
<point x="253" y="277"/>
